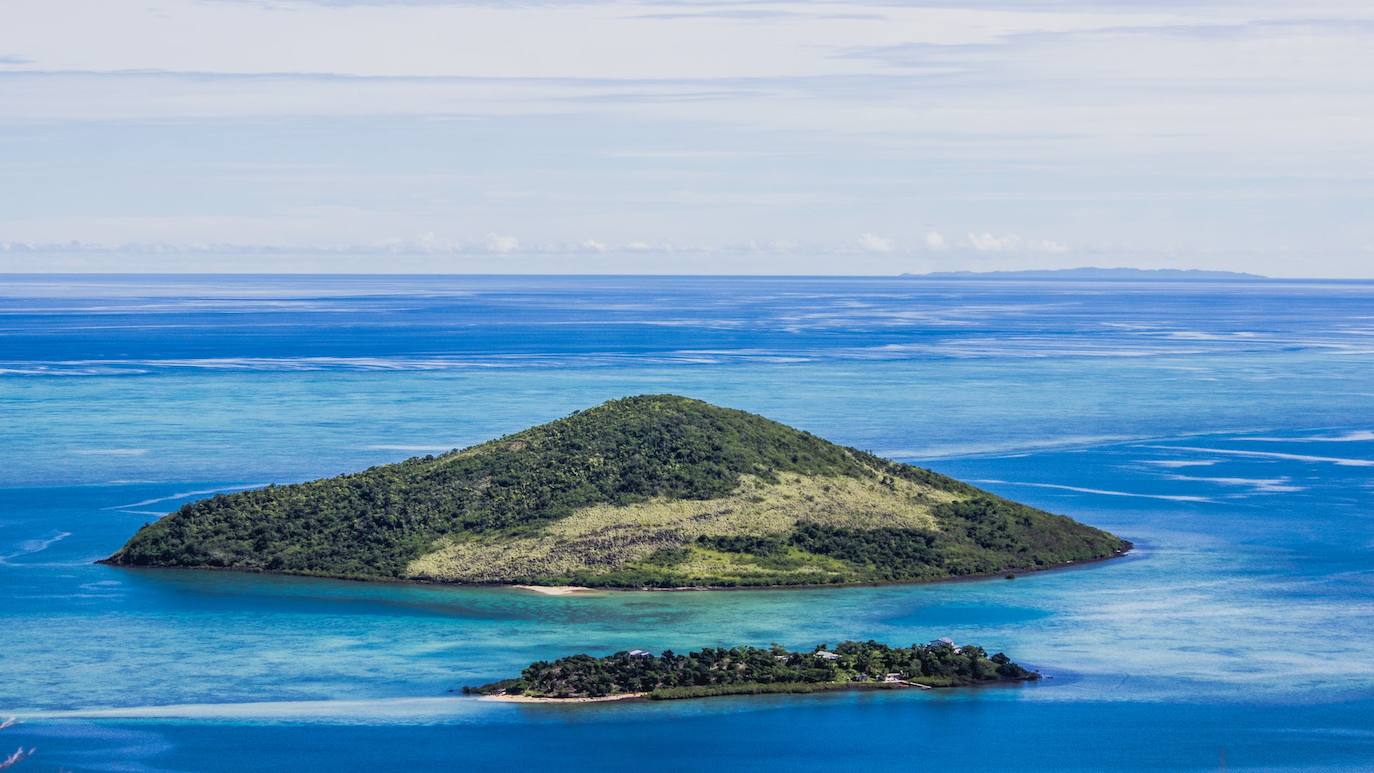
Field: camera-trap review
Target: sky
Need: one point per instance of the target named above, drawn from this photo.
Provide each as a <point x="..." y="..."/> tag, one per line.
<point x="751" y="137"/>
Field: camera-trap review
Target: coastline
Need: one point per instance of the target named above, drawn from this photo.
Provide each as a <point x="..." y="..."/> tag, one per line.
<point x="503" y="698"/>
<point x="550" y="590"/>
<point x="577" y="590"/>
<point x="809" y="689"/>
<point x="997" y="575"/>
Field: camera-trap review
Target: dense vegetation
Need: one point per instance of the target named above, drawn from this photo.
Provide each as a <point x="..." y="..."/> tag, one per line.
<point x="720" y="671"/>
<point x="644" y="491"/>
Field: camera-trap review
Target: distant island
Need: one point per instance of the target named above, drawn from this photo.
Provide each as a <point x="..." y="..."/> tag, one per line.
<point x="1101" y="274"/>
<point x="755" y="670"/>
<point x="656" y="491"/>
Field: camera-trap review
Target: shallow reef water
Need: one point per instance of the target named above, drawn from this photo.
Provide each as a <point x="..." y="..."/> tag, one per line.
<point x="1226" y="429"/>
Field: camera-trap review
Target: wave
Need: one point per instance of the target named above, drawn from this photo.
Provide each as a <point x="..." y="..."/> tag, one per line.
<point x="60" y="369"/>
<point x="958" y="347"/>
<point x="1354" y="436"/>
<point x="359" y="711"/>
<point x="1023" y="348"/>
<point x="183" y="495"/>
<point x="1341" y="461"/>
<point x="1103" y="492"/>
<point x="29" y="547"/>
<point x="1281" y="485"/>
<point x="252" y="364"/>
<point x="1008" y="448"/>
<point x="1203" y="335"/>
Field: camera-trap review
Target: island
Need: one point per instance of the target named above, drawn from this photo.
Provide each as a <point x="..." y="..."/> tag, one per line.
<point x="653" y="491"/>
<point x="755" y="670"/>
<point x="1092" y="274"/>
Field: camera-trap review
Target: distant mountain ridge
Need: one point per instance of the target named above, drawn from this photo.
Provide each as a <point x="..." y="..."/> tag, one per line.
<point x="1089" y="273"/>
<point x="649" y="491"/>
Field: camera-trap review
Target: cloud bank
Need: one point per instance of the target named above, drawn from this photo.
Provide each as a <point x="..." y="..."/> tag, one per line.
<point x="300" y="135"/>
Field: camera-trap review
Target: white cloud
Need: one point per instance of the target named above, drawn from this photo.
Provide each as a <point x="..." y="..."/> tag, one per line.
<point x="429" y="242"/>
<point x="990" y="242"/>
<point x="501" y="244"/>
<point x="1193" y="129"/>
<point x="512" y="40"/>
<point x="770" y="246"/>
<point x="986" y="242"/>
<point x="876" y="243"/>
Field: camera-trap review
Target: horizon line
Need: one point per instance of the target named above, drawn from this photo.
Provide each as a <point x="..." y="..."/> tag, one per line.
<point x="956" y="276"/>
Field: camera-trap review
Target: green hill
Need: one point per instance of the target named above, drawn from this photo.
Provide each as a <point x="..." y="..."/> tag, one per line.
<point x="656" y="490"/>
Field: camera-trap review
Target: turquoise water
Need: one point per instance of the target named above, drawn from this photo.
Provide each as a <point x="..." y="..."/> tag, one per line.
<point x="1227" y="429"/>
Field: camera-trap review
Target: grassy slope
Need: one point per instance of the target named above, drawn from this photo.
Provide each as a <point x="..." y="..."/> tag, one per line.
<point x="651" y="490"/>
<point x="640" y="536"/>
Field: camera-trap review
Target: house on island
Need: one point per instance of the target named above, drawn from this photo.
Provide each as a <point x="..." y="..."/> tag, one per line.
<point x="824" y="655"/>
<point x="641" y="654"/>
<point x="950" y="642"/>
<point x="892" y="678"/>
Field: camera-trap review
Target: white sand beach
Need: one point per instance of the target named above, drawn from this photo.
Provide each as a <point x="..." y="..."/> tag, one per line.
<point x="532" y="699"/>
<point x="555" y="590"/>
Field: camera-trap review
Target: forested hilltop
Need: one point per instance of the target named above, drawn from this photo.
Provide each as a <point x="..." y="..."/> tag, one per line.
<point x="649" y="491"/>
<point x="753" y="670"/>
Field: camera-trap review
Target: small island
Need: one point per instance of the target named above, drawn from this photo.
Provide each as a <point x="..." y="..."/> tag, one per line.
<point x="654" y="491"/>
<point x="754" y="671"/>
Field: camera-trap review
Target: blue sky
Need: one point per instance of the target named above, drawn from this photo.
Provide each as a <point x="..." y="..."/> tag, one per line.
<point x="643" y="137"/>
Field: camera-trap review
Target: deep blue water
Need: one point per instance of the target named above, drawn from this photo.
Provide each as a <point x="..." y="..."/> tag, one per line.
<point x="1228" y="429"/>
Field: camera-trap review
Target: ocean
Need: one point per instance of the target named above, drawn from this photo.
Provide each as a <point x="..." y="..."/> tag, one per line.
<point x="1226" y="428"/>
